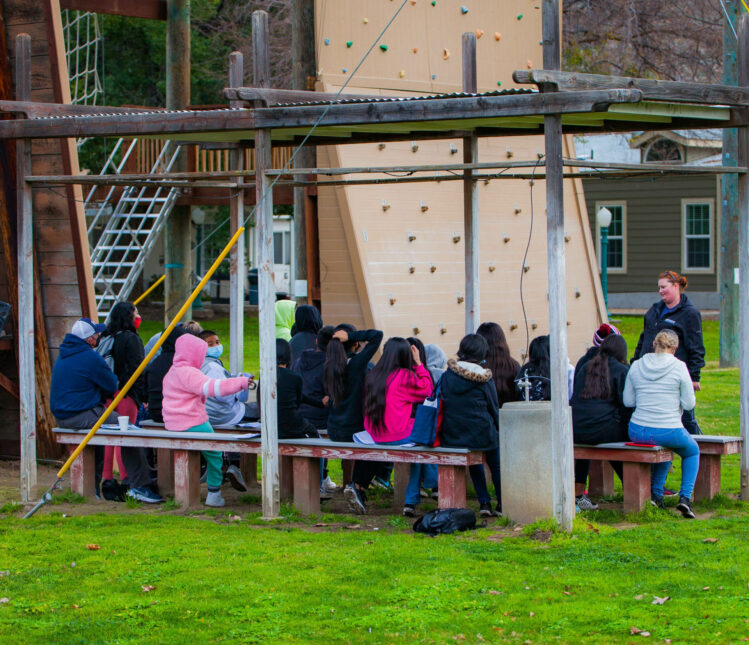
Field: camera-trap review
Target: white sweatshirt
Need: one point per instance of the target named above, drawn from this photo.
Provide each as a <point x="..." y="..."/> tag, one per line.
<point x="659" y="387"/>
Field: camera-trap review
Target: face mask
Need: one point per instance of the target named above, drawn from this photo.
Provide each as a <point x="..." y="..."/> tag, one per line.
<point x="215" y="352"/>
<point x="136" y="322"/>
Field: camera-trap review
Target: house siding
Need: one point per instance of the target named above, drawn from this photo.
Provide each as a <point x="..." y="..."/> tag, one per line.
<point x="654" y="234"/>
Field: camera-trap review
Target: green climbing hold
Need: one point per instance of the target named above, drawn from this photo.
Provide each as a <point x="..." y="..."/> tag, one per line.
<point x="499" y="83"/>
<point x="434" y="3"/>
<point x="349" y="43"/>
<point x="520" y="16"/>
<point x="384" y="48"/>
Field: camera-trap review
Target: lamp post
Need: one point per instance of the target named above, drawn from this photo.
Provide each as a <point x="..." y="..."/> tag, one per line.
<point x="604" y="221"/>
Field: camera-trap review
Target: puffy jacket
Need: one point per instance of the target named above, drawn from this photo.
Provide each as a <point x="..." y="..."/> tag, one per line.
<point x="686" y="321"/>
<point x="128" y="354"/>
<point x="310" y="366"/>
<point x="81" y="379"/>
<point x="470" y="407"/>
<point x="591" y="415"/>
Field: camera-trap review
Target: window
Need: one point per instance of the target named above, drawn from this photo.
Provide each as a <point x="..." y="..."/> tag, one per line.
<point x="281" y="253"/>
<point x="617" y="250"/>
<point x="697" y="253"/>
<point x="663" y="150"/>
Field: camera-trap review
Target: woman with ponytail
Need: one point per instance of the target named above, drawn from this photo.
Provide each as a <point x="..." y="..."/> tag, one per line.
<point x="598" y="411"/>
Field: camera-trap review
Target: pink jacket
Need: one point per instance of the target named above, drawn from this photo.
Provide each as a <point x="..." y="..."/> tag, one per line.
<point x="404" y="389"/>
<point x="186" y="388"/>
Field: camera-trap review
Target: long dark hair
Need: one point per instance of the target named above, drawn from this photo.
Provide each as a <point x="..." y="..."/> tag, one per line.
<point x="503" y="366"/>
<point x="395" y="355"/>
<point x="121" y="318"/>
<point x="415" y="342"/>
<point x="334" y="371"/>
<point x="539" y="363"/>
<point x="597" y="377"/>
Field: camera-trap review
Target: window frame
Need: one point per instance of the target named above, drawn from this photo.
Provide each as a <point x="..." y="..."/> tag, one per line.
<point x="710" y="201"/>
<point x="623" y="205"/>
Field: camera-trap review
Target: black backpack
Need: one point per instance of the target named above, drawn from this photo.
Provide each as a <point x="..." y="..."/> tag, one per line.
<point x="445" y="521"/>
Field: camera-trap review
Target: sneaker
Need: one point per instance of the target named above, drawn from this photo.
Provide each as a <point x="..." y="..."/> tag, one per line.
<point x="498" y="510"/>
<point x="324" y="494"/>
<point x="113" y="491"/>
<point x="429" y="493"/>
<point x="584" y="504"/>
<point x="214" y="499"/>
<point x="577" y="509"/>
<point x="669" y="493"/>
<point x="356" y="499"/>
<point x="235" y="479"/>
<point x="382" y="483"/>
<point x="685" y="507"/>
<point x="409" y="510"/>
<point x="329" y="485"/>
<point x="657" y="501"/>
<point x="145" y="495"/>
<point x="485" y="510"/>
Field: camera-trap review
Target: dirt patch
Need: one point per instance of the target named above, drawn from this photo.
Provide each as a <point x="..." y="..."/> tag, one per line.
<point x="542" y="536"/>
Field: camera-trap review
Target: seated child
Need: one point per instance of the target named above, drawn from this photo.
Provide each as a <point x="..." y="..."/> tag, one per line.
<point x="186" y="389"/>
<point x="291" y="424"/>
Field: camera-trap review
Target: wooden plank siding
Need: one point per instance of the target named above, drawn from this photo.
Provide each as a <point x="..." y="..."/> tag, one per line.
<point x="654" y="237"/>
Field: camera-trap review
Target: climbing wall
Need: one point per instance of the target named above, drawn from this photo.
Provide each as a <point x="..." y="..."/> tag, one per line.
<point x="392" y="256"/>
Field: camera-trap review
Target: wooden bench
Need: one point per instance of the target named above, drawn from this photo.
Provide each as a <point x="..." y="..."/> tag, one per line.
<point x="712" y="448"/>
<point x="636" y="462"/>
<point x="299" y="462"/>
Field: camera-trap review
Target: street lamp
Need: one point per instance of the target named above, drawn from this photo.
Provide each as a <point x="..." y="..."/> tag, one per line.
<point x="603" y="218"/>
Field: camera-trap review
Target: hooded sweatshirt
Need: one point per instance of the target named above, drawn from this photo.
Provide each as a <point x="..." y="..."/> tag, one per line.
<point x="307" y="322"/>
<point x="659" y="387"/>
<point x="470" y="407"/>
<point x="436" y="361"/>
<point x="156" y="371"/>
<point x="310" y="366"/>
<point x="404" y="388"/>
<point x="81" y="379"/>
<point x="223" y="410"/>
<point x="284" y="318"/>
<point x="186" y="387"/>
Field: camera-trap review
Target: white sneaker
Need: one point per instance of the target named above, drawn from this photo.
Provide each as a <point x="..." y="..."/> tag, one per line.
<point x="214" y="499"/>
<point x="584" y="504"/>
<point x="235" y="479"/>
<point x="329" y="485"/>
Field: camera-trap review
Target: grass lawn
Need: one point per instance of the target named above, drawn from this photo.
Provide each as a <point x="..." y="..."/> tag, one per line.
<point x="169" y="576"/>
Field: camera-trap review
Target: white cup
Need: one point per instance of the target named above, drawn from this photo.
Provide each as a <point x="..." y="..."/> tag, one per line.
<point x="124" y="422"/>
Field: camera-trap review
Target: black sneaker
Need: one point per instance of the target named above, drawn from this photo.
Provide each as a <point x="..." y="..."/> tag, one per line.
<point x="657" y="501"/>
<point x="685" y="508"/>
<point x="409" y="510"/>
<point x="485" y="509"/>
<point x="356" y="499"/>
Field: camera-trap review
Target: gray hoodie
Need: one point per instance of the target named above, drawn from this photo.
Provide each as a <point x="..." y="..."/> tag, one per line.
<point x="659" y="387"/>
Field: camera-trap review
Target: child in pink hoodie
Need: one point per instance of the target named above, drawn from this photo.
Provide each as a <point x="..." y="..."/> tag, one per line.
<point x="185" y="390"/>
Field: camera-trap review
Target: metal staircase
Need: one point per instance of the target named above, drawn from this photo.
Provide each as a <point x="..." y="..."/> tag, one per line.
<point x="129" y="229"/>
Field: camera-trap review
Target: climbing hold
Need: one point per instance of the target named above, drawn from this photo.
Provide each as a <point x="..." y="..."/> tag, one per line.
<point x="413" y="3"/>
<point x="463" y="10"/>
<point x="380" y="146"/>
<point x="392" y="301"/>
<point x="402" y="73"/>
<point x="453" y="149"/>
<point x="327" y="41"/>
<point x="416" y="331"/>
<point x="432" y="268"/>
<point x="567" y="238"/>
<point x="384" y="48"/>
<point x="506" y="238"/>
<point x="385" y="205"/>
<point x="529" y="64"/>
<point x="344" y="70"/>
<point x="509" y="152"/>
<point x="492" y="268"/>
<point x="499" y="83"/>
<point x="424" y="207"/>
<point x="443" y="329"/>
<point x="416" y="50"/>
<point x="479" y="33"/>
<point x="460" y="299"/>
<point x="534" y="324"/>
<point x="434" y="3"/>
<point x="497" y="36"/>
<point x="518" y="210"/>
<point x="445" y="54"/>
<point x="513" y="325"/>
<point x="456" y="238"/>
<point x="434" y="77"/>
<point x="349" y="43"/>
<point x="365" y="21"/>
<point x="411" y="268"/>
<point x="577" y="292"/>
<point x="414" y="146"/>
<point x="526" y="268"/>
<point x="411" y="236"/>
<point x="520" y="16"/>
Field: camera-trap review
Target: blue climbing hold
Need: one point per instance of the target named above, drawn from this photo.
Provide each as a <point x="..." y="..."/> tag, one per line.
<point x="434" y="77"/>
<point x="327" y="41"/>
<point x="463" y="9"/>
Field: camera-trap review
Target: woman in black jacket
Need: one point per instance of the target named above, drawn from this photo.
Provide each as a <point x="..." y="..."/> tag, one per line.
<point x="674" y="312"/>
<point x="307" y="322"/>
<point x="470" y="410"/>
<point x="598" y="411"/>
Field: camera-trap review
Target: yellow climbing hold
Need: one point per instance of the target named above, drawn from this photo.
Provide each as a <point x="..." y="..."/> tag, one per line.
<point x="402" y="73"/>
<point x="365" y="21"/>
<point x="497" y="36"/>
<point x="479" y="33"/>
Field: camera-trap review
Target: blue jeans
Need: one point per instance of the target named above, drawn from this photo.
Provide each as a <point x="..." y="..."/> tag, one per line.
<point x="429" y="473"/>
<point x="478" y="477"/>
<point x="682" y="443"/>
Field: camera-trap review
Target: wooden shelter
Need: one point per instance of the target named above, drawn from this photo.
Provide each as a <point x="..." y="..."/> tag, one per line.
<point x="565" y="103"/>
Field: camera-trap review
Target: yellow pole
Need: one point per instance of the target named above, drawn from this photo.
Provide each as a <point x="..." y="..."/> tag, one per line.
<point x="150" y="289"/>
<point x="150" y="355"/>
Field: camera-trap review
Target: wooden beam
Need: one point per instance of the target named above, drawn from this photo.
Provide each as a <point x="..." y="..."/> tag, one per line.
<point x="25" y="228"/>
<point x="470" y="198"/>
<point x="237" y="269"/>
<point x="271" y="96"/>
<point x="674" y="91"/>
<point x="266" y="288"/>
<point x="149" y="9"/>
<point x="33" y="110"/>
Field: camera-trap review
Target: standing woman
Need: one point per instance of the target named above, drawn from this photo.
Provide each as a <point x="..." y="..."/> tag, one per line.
<point x="128" y="354"/>
<point x="674" y="312"/>
<point x="659" y="387"/>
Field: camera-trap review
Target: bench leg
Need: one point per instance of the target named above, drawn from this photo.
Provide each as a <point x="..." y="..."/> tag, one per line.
<point x="306" y="471"/>
<point x="286" y="475"/>
<point x="187" y="478"/>
<point x="636" y="486"/>
<point x="401" y="475"/>
<point x="452" y="487"/>
<point x="248" y="466"/>
<point x="707" y="485"/>
<point x="601" y="479"/>
<point x="165" y="471"/>
<point x="347" y="466"/>
<point x="83" y="472"/>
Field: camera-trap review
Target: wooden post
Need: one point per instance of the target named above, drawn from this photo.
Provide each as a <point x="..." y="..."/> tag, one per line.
<point x="25" y="232"/>
<point x="266" y="289"/>
<point x="562" y="445"/>
<point x="743" y="29"/>
<point x="470" y="196"/>
<point x="237" y="270"/>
